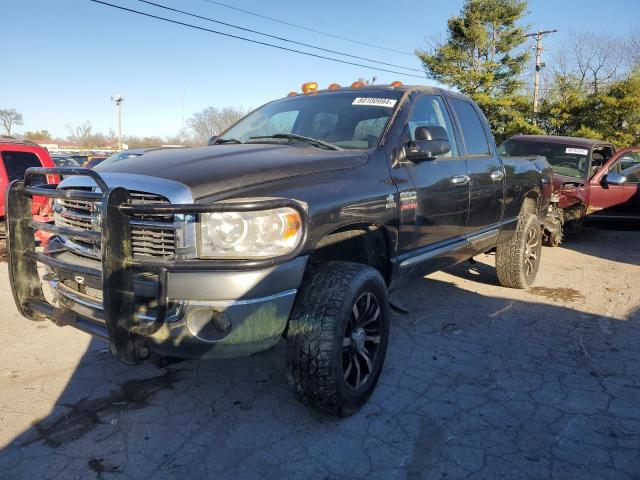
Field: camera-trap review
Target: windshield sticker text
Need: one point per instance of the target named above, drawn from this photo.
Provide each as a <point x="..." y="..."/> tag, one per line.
<point x="577" y="151"/>
<point x="376" y="102"/>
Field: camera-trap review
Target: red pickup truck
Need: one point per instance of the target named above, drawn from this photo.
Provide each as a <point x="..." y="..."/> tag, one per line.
<point x="15" y="157"/>
<point x="590" y="179"/>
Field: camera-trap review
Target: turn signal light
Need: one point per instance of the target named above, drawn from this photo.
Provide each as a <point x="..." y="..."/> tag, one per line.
<point x="309" y="87"/>
<point x="292" y="94"/>
<point x="334" y="86"/>
<point x="396" y="83"/>
<point x="357" y="85"/>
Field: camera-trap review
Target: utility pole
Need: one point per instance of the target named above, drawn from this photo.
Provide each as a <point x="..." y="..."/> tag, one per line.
<point x="118" y="99"/>
<point x="539" y="64"/>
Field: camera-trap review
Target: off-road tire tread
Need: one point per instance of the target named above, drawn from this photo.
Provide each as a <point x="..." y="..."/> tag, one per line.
<point x="509" y="255"/>
<point x="312" y="330"/>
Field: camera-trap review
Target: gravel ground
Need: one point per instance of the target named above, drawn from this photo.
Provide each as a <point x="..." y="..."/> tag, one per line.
<point x="480" y="382"/>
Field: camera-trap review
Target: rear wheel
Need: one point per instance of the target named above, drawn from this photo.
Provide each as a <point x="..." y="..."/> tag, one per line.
<point x="338" y="336"/>
<point x="518" y="260"/>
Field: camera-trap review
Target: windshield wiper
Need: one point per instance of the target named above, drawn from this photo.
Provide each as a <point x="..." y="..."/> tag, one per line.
<point x="220" y="141"/>
<point x="293" y="136"/>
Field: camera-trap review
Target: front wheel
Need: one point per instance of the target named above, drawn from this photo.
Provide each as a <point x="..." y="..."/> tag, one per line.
<point x="518" y="260"/>
<point x="338" y="336"/>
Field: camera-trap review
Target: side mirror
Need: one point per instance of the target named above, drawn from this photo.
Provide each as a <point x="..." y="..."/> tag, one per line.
<point x="615" y="178"/>
<point x="429" y="142"/>
<point x="212" y="140"/>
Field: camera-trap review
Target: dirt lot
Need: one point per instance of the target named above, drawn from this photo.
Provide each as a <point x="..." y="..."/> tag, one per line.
<point x="480" y="382"/>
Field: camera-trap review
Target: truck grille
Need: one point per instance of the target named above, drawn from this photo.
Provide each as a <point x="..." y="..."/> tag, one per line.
<point x="151" y="237"/>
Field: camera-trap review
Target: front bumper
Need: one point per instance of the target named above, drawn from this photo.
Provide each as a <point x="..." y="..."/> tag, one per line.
<point x="178" y="308"/>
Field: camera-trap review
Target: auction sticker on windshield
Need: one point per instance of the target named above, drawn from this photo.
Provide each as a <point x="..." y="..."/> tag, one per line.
<point x="376" y="102"/>
<point x="577" y="151"/>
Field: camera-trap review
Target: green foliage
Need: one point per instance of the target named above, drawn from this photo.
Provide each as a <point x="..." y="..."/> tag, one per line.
<point x="612" y="113"/>
<point x="482" y="57"/>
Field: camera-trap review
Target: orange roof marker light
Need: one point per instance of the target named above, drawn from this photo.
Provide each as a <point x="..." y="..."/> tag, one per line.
<point x="292" y="94"/>
<point x="309" y="87"/>
<point x="396" y="83"/>
<point x="334" y="86"/>
<point x="357" y="84"/>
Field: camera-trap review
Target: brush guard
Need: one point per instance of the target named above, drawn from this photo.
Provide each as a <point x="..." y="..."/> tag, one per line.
<point x="121" y="328"/>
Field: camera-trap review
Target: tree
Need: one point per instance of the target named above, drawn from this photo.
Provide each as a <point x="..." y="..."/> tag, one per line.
<point x="592" y="60"/>
<point x="37" y="135"/>
<point x="9" y="118"/>
<point x="212" y="121"/>
<point x="482" y="56"/>
<point x="183" y="137"/>
<point x="144" y="142"/>
<point x="612" y="113"/>
<point x="81" y="135"/>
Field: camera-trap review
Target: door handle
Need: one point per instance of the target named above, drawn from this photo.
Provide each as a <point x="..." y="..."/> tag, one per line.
<point x="497" y="175"/>
<point x="460" y="179"/>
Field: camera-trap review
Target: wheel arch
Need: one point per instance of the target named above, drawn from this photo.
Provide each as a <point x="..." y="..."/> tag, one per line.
<point x="367" y="243"/>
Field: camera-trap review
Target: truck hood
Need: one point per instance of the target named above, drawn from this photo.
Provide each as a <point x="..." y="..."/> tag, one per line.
<point x="215" y="169"/>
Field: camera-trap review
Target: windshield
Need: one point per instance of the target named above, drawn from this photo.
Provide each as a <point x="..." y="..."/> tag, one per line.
<point x="348" y="119"/>
<point x="116" y="157"/>
<point x="564" y="159"/>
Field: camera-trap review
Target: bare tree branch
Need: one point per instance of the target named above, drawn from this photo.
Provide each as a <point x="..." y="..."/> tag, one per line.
<point x="591" y="60"/>
<point x="9" y="118"/>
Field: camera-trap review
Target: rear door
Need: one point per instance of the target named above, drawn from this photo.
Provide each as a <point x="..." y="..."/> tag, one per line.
<point x="484" y="166"/>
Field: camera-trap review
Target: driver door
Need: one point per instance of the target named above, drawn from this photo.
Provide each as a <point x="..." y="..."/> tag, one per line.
<point x="609" y="200"/>
<point x="433" y="194"/>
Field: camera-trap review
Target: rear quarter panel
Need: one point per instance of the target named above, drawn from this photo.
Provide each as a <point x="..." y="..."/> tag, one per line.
<point x="525" y="177"/>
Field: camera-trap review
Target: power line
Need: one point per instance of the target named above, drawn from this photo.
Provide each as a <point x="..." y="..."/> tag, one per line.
<point x="275" y="36"/>
<point x="237" y="37"/>
<point x="308" y="29"/>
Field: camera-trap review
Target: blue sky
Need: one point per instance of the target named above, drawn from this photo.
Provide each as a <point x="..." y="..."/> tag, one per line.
<point x="70" y="56"/>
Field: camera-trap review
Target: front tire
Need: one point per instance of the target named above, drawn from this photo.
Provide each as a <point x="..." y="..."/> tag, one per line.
<point x="338" y="336"/>
<point x="518" y="260"/>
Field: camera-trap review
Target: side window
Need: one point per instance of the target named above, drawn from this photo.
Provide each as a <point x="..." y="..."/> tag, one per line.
<point x="429" y="110"/>
<point x="630" y="166"/>
<point x="629" y="160"/>
<point x="472" y="132"/>
<point x="16" y="163"/>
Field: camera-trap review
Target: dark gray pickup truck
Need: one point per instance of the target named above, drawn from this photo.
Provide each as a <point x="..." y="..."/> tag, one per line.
<point x="294" y="222"/>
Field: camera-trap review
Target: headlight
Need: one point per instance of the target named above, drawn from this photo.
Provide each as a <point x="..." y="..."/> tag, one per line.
<point x="255" y="235"/>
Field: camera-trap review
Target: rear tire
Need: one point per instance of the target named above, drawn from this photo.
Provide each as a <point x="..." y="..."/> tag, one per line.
<point x="338" y="336"/>
<point x="518" y="260"/>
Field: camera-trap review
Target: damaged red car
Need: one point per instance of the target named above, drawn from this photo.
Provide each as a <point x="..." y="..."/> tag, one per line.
<point x="590" y="178"/>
